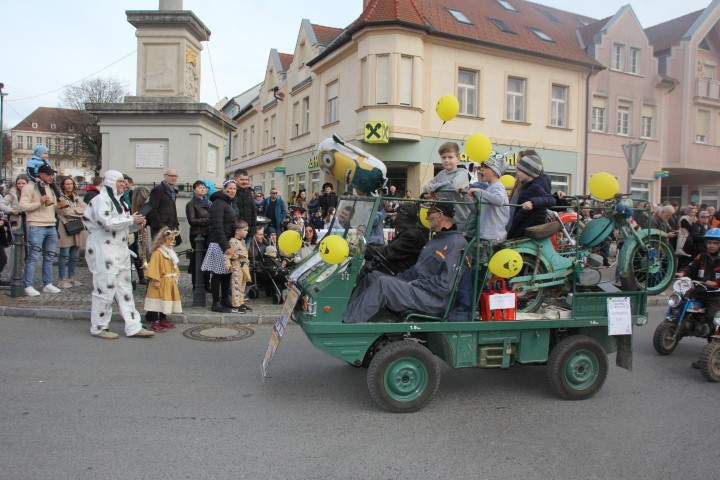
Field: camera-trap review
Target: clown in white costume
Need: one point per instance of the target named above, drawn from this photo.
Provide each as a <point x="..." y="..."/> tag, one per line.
<point x="108" y="259"/>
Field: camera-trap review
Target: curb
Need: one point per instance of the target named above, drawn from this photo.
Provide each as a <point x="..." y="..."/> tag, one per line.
<point x="179" y="318"/>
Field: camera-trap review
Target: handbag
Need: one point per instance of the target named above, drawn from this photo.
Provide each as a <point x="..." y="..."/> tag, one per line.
<point x="73" y="227"/>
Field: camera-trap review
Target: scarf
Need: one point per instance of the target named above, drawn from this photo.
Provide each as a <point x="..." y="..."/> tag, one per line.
<point x="170" y="190"/>
<point x="120" y="207"/>
<point x="201" y="200"/>
<point x="169" y="253"/>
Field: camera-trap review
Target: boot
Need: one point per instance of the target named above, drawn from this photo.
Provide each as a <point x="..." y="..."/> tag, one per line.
<point x="218" y="307"/>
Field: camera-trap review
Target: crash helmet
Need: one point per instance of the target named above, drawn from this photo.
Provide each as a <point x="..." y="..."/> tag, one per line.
<point x="713" y="233"/>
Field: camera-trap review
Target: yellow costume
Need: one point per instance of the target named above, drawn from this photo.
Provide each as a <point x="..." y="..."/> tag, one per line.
<point x="238" y="279"/>
<point x="163" y="267"/>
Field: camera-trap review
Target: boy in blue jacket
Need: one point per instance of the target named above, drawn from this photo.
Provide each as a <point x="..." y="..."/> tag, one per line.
<point x="40" y="158"/>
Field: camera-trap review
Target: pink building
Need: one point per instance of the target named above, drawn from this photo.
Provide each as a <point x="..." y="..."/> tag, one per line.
<point x="688" y="50"/>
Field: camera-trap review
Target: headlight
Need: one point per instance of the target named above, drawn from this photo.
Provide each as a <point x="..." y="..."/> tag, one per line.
<point x="674" y="300"/>
<point x="682" y="285"/>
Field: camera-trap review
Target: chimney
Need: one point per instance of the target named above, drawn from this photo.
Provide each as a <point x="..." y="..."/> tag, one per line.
<point x="171" y="5"/>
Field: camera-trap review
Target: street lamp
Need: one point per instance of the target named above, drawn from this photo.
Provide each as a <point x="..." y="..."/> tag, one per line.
<point x="2" y="132"/>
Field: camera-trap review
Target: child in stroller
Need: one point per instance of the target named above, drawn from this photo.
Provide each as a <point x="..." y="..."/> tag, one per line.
<point x="268" y="273"/>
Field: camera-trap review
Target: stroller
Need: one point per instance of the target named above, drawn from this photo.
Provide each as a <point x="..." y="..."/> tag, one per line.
<point x="267" y="273"/>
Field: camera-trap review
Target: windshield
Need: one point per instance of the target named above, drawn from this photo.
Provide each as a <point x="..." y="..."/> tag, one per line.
<point x="351" y="218"/>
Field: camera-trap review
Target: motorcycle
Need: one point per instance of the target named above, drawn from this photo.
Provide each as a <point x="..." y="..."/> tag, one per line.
<point x="685" y="317"/>
<point x="646" y="259"/>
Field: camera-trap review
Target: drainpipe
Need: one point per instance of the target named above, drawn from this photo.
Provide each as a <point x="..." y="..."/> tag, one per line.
<point x="587" y="129"/>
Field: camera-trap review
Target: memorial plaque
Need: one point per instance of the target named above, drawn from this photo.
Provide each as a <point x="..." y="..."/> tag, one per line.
<point x="149" y="155"/>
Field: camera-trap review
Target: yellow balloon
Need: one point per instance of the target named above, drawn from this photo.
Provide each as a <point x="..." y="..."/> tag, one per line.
<point x="289" y="241"/>
<point x="447" y="107"/>
<point x="423" y="216"/>
<point x="508" y="181"/>
<point x="603" y="185"/>
<point x="506" y="263"/>
<point x="334" y="249"/>
<point x="478" y="147"/>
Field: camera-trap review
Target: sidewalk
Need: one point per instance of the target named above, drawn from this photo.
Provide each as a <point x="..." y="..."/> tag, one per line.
<point x="74" y="303"/>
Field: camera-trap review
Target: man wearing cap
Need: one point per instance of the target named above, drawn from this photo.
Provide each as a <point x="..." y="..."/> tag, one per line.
<point x="426" y="286"/>
<point x="531" y="192"/>
<point x="42" y="239"/>
<point x="495" y="211"/>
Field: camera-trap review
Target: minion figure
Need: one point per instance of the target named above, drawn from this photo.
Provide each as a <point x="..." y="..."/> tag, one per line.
<point x="351" y="165"/>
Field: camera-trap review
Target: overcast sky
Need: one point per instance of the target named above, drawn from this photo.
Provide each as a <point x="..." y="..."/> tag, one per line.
<point x="47" y="44"/>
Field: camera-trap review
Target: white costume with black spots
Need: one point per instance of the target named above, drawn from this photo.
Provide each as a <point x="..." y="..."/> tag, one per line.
<point x="108" y="258"/>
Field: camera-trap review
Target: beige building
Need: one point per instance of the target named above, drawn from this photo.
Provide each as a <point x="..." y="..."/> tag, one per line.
<point x="571" y="87"/>
<point x="57" y="129"/>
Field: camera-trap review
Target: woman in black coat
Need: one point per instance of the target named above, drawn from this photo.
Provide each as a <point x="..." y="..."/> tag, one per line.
<point x="532" y="193"/>
<point x="197" y="212"/>
<point x="223" y="214"/>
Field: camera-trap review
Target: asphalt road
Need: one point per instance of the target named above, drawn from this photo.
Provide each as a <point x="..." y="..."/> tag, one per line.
<point x="76" y="407"/>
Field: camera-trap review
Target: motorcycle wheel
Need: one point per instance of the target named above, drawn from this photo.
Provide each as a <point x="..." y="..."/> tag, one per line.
<point x="530" y="301"/>
<point x="653" y="269"/>
<point x="664" y="339"/>
<point x="710" y="362"/>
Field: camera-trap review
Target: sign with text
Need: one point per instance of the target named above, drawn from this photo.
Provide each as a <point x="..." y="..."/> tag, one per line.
<point x="619" y="316"/>
<point x="279" y="329"/>
<point x="149" y="155"/>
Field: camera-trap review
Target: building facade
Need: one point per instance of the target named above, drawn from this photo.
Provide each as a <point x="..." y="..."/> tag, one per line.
<point x="57" y="129"/>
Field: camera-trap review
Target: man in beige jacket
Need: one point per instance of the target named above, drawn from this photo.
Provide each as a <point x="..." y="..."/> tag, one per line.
<point x="42" y="234"/>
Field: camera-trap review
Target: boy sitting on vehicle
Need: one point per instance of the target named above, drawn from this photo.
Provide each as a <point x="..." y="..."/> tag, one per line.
<point x="451" y="178"/>
<point x="705" y="268"/>
<point x="495" y="211"/>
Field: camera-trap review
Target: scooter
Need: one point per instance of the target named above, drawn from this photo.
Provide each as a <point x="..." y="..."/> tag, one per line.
<point x="685" y="317"/>
<point x="646" y="258"/>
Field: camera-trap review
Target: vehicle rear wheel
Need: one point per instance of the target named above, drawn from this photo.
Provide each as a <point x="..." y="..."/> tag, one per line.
<point x="403" y="376"/>
<point x="577" y="367"/>
<point x="531" y="300"/>
<point x="710" y="361"/>
<point x="665" y="339"/>
<point x="651" y="266"/>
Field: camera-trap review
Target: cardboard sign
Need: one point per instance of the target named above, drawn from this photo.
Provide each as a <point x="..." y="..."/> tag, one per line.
<point x="279" y="329"/>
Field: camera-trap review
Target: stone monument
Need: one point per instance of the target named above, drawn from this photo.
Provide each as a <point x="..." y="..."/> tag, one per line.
<point x="164" y="124"/>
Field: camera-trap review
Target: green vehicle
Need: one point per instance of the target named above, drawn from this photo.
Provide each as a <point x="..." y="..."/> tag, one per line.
<point x="402" y="349"/>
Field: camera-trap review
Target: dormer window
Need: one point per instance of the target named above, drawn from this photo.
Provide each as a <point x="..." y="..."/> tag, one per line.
<point x="53" y="126"/>
<point x="71" y="128"/>
<point x="459" y="16"/>
<point x="550" y="16"/>
<point x="502" y="26"/>
<point x="506" y="5"/>
<point x="581" y="21"/>
<point x="541" y="35"/>
<point x="34" y="125"/>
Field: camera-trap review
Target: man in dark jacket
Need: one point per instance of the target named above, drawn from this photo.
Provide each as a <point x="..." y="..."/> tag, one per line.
<point x="404" y="249"/>
<point x="275" y="209"/>
<point x="532" y="194"/>
<point x="93" y="189"/>
<point x="245" y="198"/>
<point x="162" y="200"/>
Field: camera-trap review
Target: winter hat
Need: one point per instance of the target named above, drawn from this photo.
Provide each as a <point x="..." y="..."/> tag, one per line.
<point x="406" y="215"/>
<point x="531" y="165"/>
<point x="270" y="231"/>
<point x="496" y="163"/>
<point x="40" y="149"/>
<point x="271" y="251"/>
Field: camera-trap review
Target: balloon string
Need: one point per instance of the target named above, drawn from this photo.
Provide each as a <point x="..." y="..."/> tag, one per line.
<point x="432" y="151"/>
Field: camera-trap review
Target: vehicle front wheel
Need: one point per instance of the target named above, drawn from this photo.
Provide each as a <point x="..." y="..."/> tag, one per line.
<point x="403" y="376"/>
<point x="710" y="361"/>
<point x="577" y="367"/>
<point x="665" y="338"/>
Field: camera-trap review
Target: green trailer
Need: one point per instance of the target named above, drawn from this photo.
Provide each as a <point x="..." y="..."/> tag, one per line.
<point x="401" y="350"/>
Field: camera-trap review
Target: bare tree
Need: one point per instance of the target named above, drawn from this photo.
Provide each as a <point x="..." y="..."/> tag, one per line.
<point x="87" y="131"/>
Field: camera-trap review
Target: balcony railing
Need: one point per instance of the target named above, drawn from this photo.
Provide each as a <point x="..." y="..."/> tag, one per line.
<point x="707" y="89"/>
